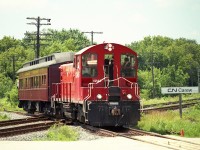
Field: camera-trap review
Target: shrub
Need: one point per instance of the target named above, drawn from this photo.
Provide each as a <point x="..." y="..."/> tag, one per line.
<point x="12" y="96"/>
<point x="61" y="133"/>
<point x="5" y="85"/>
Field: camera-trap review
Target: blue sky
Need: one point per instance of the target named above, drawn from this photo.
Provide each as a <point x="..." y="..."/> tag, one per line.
<point x="121" y="21"/>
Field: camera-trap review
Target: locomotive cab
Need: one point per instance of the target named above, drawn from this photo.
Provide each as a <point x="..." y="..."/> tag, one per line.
<point x="108" y="85"/>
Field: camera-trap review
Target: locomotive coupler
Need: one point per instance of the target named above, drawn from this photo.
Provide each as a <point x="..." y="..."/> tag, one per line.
<point x="115" y="111"/>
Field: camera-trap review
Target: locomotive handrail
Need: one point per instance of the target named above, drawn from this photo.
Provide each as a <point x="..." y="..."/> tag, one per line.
<point x="91" y="86"/>
<point x="132" y="84"/>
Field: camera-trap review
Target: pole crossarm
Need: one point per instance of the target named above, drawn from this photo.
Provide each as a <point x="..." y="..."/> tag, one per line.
<point x="38" y="24"/>
<point x="92" y="35"/>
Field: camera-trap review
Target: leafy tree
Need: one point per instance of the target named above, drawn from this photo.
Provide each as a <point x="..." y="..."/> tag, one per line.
<point x="5" y="85"/>
<point x="8" y="42"/>
<point x="177" y="61"/>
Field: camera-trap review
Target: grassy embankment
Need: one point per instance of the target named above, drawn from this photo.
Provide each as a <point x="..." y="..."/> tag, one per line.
<point x="169" y="122"/>
<point x="5" y="105"/>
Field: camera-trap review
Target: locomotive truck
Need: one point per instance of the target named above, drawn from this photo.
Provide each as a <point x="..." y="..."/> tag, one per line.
<point x="97" y="85"/>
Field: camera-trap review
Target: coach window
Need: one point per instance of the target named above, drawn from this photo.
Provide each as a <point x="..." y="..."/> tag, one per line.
<point x="31" y="82"/>
<point x="26" y="82"/>
<point x="89" y="65"/>
<point x="20" y="83"/>
<point x="43" y="79"/>
<point x="37" y="81"/>
<point x="128" y="65"/>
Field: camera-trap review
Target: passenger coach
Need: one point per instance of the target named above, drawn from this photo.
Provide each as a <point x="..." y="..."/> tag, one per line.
<point x="36" y="78"/>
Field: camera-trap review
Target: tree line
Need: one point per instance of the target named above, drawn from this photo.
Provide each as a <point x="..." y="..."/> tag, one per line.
<point x="166" y="62"/>
<point x="163" y="61"/>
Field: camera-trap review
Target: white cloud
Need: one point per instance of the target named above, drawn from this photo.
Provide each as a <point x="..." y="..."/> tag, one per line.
<point x="194" y="33"/>
<point x="22" y="4"/>
<point x="164" y="3"/>
<point x="139" y="18"/>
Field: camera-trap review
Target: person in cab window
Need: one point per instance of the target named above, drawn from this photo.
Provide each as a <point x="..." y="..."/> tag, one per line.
<point x="126" y="63"/>
<point x="126" y="67"/>
<point x="86" y="71"/>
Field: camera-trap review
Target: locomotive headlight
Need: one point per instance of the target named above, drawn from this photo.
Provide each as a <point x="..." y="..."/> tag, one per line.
<point x="129" y="96"/>
<point x="99" y="96"/>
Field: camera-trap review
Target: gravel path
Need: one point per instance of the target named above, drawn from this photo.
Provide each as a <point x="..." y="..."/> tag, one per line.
<point x="13" y="115"/>
<point x="83" y="134"/>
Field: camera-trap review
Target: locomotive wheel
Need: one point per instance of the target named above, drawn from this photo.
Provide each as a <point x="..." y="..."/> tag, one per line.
<point x="83" y="119"/>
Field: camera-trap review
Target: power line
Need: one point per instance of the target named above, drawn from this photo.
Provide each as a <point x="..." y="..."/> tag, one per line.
<point x="38" y="24"/>
<point x="92" y="35"/>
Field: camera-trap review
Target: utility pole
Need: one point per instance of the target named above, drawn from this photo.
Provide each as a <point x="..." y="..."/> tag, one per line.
<point x="152" y="72"/>
<point x="13" y="64"/>
<point x="199" y="79"/>
<point x="38" y="24"/>
<point x="92" y="34"/>
<point x="152" y="68"/>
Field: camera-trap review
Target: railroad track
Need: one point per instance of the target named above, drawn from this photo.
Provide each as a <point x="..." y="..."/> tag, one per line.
<point x="21" y="121"/>
<point x="147" y="137"/>
<point x="169" y="105"/>
<point x="22" y="126"/>
<point x="172" y="103"/>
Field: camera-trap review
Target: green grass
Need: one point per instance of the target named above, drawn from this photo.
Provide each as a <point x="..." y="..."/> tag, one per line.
<point x="60" y="133"/>
<point x="169" y="122"/>
<point x="4" y="117"/>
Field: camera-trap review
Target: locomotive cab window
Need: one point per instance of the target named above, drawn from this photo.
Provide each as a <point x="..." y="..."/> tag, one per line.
<point x="128" y="65"/>
<point x="89" y="65"/>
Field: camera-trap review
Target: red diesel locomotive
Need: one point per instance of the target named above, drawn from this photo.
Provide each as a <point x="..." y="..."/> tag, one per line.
<point x="97" y="85"/>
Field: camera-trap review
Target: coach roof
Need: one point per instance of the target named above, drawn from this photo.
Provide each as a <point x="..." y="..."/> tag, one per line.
<point x="46" y="61"/>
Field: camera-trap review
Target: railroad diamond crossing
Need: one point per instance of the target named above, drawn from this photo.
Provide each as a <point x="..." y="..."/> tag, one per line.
<point x="178" y="90"/>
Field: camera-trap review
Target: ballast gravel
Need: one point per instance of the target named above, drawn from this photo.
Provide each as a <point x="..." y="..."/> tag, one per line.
<point x="83" y="134"/>
<point x="13" y="115"/>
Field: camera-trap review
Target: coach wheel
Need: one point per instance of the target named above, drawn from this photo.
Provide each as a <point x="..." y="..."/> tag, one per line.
<point x="31" y="111"/>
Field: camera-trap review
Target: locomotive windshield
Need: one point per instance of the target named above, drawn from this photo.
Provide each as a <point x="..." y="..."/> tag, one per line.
<point x="89" y="65"/>
<point x="128" y="65"/>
